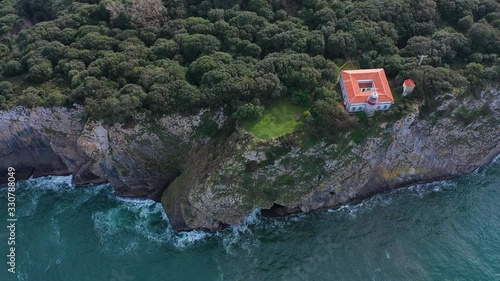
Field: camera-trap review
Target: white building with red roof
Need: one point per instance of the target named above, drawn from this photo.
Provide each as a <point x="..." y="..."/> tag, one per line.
<point x="366" y="90"/>
<point x="408" y="86"/>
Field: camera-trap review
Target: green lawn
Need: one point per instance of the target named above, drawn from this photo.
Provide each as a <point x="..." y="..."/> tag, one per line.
<point x="278" y="120"/>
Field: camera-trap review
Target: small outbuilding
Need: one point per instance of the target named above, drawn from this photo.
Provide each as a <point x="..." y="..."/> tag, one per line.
<point x="408" y="86"/>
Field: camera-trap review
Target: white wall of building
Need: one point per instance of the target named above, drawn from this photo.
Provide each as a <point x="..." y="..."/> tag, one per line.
<point x="361" y="106"/>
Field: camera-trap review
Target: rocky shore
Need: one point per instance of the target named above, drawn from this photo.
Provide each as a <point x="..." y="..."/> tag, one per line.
<point x="138" y="161"/>
<point x="208" y="181"/>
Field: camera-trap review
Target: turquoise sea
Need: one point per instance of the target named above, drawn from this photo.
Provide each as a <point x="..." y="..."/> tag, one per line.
<point x="447" y="230"/>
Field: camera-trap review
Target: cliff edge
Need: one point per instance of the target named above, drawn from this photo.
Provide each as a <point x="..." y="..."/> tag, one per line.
<point x="138" y="161"/>
<point x="217" y="177"/>
<point x="225" y="180"/>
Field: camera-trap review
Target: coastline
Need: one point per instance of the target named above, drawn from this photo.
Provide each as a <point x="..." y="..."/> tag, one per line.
<point x="214" y="182"/>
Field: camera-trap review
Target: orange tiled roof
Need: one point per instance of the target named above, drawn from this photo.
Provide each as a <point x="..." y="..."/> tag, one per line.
<point x="409" y="83"/>
<point x="354" y="94"/>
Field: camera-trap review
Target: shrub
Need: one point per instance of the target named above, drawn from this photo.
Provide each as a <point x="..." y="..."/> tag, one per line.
<point x="41" y="71"/>
<point x="249" y="111"/>
<point x="30" y="97"/>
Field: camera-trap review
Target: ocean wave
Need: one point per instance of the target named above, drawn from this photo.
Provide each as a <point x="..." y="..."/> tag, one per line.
<point x="72" y="196"/>
<point x="138" y="222"/>
<point x="236" y="236"/>
<point x="50" y="183"/>
<point x="184" y="240"/>
<point x="385" y="199"/>
<point x="424" y="189"/>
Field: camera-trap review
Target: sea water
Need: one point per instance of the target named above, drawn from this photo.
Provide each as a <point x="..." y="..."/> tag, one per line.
<point x="448" y="230"/>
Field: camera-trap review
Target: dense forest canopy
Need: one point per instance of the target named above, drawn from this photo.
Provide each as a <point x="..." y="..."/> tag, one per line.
<point x="123" y="57"/>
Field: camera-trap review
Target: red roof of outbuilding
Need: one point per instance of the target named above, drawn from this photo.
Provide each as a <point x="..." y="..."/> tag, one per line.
<point x="354" y="94"/>
<point x="409" y="83"/>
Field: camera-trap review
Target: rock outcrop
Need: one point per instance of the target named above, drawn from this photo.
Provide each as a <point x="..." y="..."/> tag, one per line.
<point x="138" y="161"/>
<point x="227" y="179"/>
<point x="215" y="181"/>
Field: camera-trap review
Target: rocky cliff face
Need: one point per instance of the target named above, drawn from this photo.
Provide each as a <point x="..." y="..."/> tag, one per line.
<point x="138" y="161"/>
<point x="228" y="178"/>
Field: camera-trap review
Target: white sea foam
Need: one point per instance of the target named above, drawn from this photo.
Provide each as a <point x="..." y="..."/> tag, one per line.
<point x="422" y="190"/>
<point x="136" y="219"/>
<point x="221" y="272"/>
<point x="387" y="199"/>
<point x="183" y="240"/>
<point x="243" y="236"/>
<point x="496" y="159"/>
<point x="57" y="230"/>
<point x="50" y="182"/>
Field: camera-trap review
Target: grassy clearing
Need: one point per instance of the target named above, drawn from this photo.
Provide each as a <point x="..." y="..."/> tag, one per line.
<point x="278" y="120"/>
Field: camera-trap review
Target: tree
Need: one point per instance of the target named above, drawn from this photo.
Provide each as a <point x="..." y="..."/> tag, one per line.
<point x="256" y="5"/>
<point x="177" y="56"/>
<point x="316" y="43"/>
<point x="244" y="47"/>
<point x="425" y="11"/>
<point x="163" y="49"/>
<point x="178" y="96"/>
<point x="93" y="88"/>
<point x="165" y="72"/>
<point x="142" y="13"/>
<point x="192" y="46"/>
<point x="41" y="71"/>
<point x="199" y="25"/>
<point x="465" y="23"/>
<point x="118" y="14"/>
<point x="324" y="16"/>
<point x="220" y="86"/>
<point x="341" y="43"/>
<point x="475" y="73"/>
<point x="201" y="66"/>
<point x="185" y="97"/>
<point x="105" y="109"/>
<point x="248" y="24"/>
<point x="215" y="15"/>
<point x="12" y="68"/>
<point x="330" y="118"/>
<point x="393" y="65"/>
<point x="268" y="85"/>
<point x="306" y="79"/>
<point x="53" y="97"/>
<point x="249" y="111"/>
<point x="30" y="98"/>
<point x="134" y="48"/>
<point x="420" y="45"/>
<point x="104" y="102"/>
<point x="485" y="38"/>
<point x="96" y="41"/>
<point x="6" y="90"/>
<point x="53" y="51"/>
<point x="435" y="81"/>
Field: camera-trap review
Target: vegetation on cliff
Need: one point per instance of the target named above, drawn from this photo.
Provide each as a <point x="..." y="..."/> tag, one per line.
<point x="120" y="58"/>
